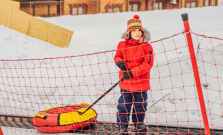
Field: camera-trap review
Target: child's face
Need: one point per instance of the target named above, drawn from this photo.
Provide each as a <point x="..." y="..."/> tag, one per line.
<point x="136" y="34"/>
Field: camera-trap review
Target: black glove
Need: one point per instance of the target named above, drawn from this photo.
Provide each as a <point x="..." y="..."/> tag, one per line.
<point x="121" y="65"/>
<point x="127" y="74"/>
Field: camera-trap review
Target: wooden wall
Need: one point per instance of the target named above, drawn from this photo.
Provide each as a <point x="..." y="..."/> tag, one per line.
<point x="115" y="3"/>
<point x="90" y="6"/>
<point x="100" y="6"/>
<point x="25" y="8"/>
<point x="40" y="9"/>
<point x="181" y="3"/>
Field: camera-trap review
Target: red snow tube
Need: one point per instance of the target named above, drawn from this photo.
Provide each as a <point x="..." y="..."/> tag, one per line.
<point x="64" y="118"/>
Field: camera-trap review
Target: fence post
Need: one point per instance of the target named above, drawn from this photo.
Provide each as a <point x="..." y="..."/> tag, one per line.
<point x="1" y="133"/>
<point x="196" y="73"/>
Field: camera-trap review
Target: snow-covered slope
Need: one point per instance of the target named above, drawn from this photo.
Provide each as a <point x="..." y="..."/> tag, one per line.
<point x="100" y="32"/>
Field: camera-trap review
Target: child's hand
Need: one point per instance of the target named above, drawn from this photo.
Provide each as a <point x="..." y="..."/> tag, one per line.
<point x="127" y="74"/>
<point x="121" y="65"/>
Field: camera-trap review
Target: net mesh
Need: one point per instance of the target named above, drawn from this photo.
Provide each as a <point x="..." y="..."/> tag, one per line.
<point x="28" y="86"/>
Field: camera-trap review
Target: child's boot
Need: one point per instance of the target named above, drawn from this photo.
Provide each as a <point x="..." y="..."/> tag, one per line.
<point x="141" y="128"/>
<point x="124" y="130"/>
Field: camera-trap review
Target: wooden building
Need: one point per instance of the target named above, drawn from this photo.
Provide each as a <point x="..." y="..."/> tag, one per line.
<point x="79" y="7"/>
<point x="41" y="8"/>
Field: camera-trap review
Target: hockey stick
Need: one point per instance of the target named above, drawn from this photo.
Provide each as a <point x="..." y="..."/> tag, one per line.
<point x="158" y="100"/>
<point x="101" y="96"/>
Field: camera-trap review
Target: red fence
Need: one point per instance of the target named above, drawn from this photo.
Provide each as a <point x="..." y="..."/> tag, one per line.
<point x="30" y="85"/>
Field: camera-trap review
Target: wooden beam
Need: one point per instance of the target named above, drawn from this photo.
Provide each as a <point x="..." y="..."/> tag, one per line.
<point x="127" y="5"/>
<point x="148" y="5"/>
<point x="48" y="10"/>
<point x="154" y="3"/>
<point x="99" y="6"/>
<point x="146" y="1"/>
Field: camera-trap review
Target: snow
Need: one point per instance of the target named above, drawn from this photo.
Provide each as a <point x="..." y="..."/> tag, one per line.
<point x="19" y="131"/>
<point x="28" y="82"/>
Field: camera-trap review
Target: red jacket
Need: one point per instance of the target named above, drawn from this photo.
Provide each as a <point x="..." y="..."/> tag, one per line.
<point x="139" y="59"/>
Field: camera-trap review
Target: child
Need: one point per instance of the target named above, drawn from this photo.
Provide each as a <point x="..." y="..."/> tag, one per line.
<point x="134" y="57"/>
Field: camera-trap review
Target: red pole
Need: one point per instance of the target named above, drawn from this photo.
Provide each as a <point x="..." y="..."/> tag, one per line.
<point x="196" y="74"/>
<point x="1" y="133"/>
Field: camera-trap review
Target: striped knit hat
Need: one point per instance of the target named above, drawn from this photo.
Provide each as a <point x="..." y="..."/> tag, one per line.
<point x="134" y="23"/>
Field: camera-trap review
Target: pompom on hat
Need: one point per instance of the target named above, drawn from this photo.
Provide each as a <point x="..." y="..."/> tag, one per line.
<point x="134" y="23"/>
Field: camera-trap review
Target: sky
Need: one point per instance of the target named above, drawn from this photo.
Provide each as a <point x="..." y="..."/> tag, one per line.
<point x="36" y="75"/>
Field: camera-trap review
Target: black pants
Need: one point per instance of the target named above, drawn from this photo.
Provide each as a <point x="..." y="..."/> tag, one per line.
<point x="125" y="102"/>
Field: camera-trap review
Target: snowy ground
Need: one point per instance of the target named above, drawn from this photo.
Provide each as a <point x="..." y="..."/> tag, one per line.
<point x="28" y="86"/>
<point x="16" y="131"/>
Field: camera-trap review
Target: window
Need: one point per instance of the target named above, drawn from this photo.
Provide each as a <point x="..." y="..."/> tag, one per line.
<point x="134" y="7"/>
<point x="188" y="5"/>
<point x="116" y="9"/>
<point x="206" y="3"/>
<point x="130" y="7"/>
<point x="159" y="5"/>
<point x="109" y="10"/>
<point x="74" y="11"/>
<point x="193" y="4"/>
<point x="80" y="10"/>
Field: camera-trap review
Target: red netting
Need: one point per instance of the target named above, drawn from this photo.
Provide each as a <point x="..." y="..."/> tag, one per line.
<point x="209" y="57"/>
<point x="31" y="85"/>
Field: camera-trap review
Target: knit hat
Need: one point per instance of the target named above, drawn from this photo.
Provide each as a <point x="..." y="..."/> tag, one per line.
<point x="134" y="23"/>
